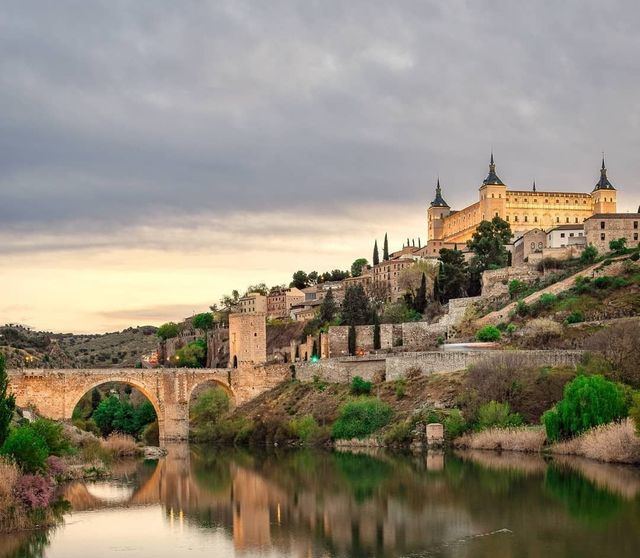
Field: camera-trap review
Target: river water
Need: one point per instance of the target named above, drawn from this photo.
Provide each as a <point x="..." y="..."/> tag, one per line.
<point x="201" y="501"/>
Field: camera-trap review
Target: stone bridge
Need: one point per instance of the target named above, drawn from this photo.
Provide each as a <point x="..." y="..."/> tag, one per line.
<point x="55" y="393"/>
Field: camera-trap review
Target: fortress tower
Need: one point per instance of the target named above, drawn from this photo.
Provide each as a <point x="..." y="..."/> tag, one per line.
<point x="603" y="194"/>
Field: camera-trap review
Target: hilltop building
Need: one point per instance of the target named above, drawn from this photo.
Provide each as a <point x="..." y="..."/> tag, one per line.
<point x="524" y="210"/>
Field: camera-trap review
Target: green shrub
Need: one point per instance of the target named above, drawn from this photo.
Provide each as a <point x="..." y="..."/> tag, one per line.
<point x="575" y="317"/>
<point x="603" y="282"/>
<point x="27" y="447"/>
<point x="193" y="355"/>
<point x="400" y="387"/>
<point x="635" y="257"/>
<point x="360" y="386"/>
<point x="547" y="300"/>
<point x="454" y="424"/>
<point x="305" y="428"/>
<point x="168" y="330"/>
<point x="516" y="288"/>
<point x="488" y="333"/>
<point x="522" y="309"/>
<point x="400" y="434"/>
<point x="588" y="401"/>
<point x="511" y="329"/>
<point x="589" y="254"/>
<point x="361" y="418"/>
<point x="618" y="245"/>
<point x="53" y="436"/>
<point x="497" y="415"/>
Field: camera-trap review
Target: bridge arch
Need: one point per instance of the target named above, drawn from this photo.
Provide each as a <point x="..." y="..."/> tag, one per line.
<point x="77" y="394"/>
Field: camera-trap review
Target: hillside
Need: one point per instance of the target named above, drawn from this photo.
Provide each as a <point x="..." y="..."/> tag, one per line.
<point x="24" y="347"/>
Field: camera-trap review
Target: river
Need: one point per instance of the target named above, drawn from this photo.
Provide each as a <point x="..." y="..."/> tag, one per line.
<point x="202" y="501"/>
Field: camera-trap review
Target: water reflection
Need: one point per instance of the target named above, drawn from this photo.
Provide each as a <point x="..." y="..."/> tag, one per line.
<point x="200" y="501"/>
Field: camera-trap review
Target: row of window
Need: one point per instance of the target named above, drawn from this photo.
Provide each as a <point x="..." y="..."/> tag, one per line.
<point x="602" y="224"/>
<point x="535" y="219"/>
<point x="603" y="236"/>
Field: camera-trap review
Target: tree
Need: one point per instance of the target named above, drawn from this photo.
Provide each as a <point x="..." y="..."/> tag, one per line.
<point x="193" y="355"/>
<point x="105" y="415"/>
<point x="420" y="300"/>
<point x="95" y="398"/>
<point x="328" y="308"/>
<point x="300" y="280"/>
<point x="203" y="321"/>
<point x="385" y="248"/>
<point x="488" y="243"/>
<point x="355" y="306"/>
<point x="260" y="288"/>
<point x="618" y="245"/>
<point x="357" y="267"/>
<point x="399" y="312"/>
<point x="453" y="276"/>
<point x="313" y="278"/>
<point x="7" y="402"/>
<point x="376" y="256"/>
<point x="168" y="330"/>
<point x="588" y="401"/>
<point x="589" y="254"/>
<point x="376" y="331"/>
<point x="351" y="340"/>
<point x="410" y="278"/>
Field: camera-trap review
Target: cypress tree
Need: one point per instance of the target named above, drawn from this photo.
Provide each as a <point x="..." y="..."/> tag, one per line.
<point x="385" y="249"/>
<point x="376" y="256"/>
<point x="351" y="340"/>
<point x="436" y="284"/>
<point x="7" y="403"/>
<point x="420" y="302"/>
<point x="376" y="332"/>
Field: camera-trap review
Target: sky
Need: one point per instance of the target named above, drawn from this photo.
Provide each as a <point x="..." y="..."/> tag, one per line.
<point x="155" y="155"/>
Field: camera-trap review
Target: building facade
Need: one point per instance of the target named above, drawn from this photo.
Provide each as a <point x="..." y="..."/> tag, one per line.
<point x="279" y="302"/>
<point x="252" y="303"/>
<point x="602" y="228"/>
<point x="524" y="210"/>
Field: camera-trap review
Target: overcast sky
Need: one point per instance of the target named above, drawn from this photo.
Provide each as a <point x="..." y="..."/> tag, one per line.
<point x="154" y="155"/>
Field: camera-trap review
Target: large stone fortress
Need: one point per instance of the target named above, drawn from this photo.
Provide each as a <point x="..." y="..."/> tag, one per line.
<point x="523" y="209"/>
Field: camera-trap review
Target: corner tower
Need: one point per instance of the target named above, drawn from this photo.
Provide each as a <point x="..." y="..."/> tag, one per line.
<point x="604" y="194"/>
<point x="493" y="195"/>
<point x="438" y="210"/>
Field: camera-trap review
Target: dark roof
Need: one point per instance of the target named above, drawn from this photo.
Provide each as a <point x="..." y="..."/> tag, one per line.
<point x="603" y="183"/>
<point x="438" y="201"/>
<point x="615" y="216"/>
<point x="492" y="177"/>
<point x="578" y="226"/>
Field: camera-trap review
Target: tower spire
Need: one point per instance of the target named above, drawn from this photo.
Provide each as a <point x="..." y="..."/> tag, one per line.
<point x="534" y="184"/>
<point x="603" y="183"/>
<point x="492" y="177"/>
<point x="438" y="201"/>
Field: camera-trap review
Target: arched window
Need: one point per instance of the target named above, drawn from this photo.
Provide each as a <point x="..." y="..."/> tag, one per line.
<point x="533" y="245"/>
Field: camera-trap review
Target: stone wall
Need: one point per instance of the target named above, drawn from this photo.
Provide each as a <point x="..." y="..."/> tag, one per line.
<point x="495" y="282"/>
<point x="451" y="361"/>
<point x="420" y="336"/>
<point x="341" y="370"/>
<point x="393" y="367"/>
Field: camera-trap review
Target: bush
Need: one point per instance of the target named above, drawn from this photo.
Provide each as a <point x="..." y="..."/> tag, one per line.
<point x="27" y="447"/>
<point x="618" y="245"/>
<point x="400" y="387"/>
<point x="511" y="329"/>
<point x="575" y="317"/>
<point x="168" y="330"/>
<point x="34" y="491"/>
<point x="121" y="445"/>
<point x="589" y="254"/>
<point x="547" y="300"/>
<point x="516" y="288"/>
<point x="498" y="415"/>
<point x="488" y="333"/>
<point x="56" y="467"/>
<point x="522" y="309"/>
<point x="361" y="418"/>
<point x="305" y="428"/>
<point x="193" y="355"/>
<point x="454" y="424"/>
<point x="53" y="435"/>
<point x="359" y="386"/>
<point x="588" y="401"/>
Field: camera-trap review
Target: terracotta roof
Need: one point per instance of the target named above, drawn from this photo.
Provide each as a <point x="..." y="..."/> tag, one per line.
<point x="615" y="216"/>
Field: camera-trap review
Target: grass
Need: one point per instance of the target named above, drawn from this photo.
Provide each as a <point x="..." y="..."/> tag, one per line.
<point x="121" y="445"/>
<point x="613" y="443"/>
<point x="524" y="439"/>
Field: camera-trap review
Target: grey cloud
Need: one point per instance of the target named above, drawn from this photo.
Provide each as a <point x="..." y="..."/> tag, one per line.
<point x="126" y="113"/>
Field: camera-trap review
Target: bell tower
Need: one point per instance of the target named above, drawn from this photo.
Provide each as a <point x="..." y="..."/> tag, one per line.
<point x="438" y="210"/>
<point x="603" y="195"/>
<point x="493" y="195"/>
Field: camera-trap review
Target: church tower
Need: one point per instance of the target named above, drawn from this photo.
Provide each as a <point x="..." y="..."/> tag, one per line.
<point x="493" y="195"/>
<point x="604" y="194"/>
<point x="436" y="213"/>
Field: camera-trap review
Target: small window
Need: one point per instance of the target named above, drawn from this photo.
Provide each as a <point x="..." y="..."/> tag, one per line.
<point x="635" y="224"/>
<point x="601" y="236"/>
<point x="546" y="201"/>
<point x="576" y="219"/>
<point x="561" y="235"/>
<point x="540" y="245"/>
<point x="602" y="224"/>
<point x="507" y="218"/>
<point x="557" y="201"/>
<point x="533" y="245"/>
<point x="515" y="218"/>
<point x="635" y="236"/>
<point x="567" y="219"/>
<point x="557" y="219"/>
<point x="570" y="234"/>
<point x="526" y="218"/>
<point x="535" y="219"/>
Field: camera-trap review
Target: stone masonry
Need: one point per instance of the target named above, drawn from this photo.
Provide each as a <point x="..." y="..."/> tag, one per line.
<point x="247" y="339"/>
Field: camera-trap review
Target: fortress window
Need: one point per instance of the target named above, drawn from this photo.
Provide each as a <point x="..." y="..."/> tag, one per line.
<point x="540" y="245"/>
<point x="566" y="201"/>
<point x="526" y="219"/>
<point x="507" y="218"/>
<point x="557" y="219"/>
<point x="535" y="219"/>
<point x="557" y="201"/>
<point x="635" y="224"/>
<point x="533" y="245"/>
<point x="525" y="200"/>
<point x="602" y="236"/>
<point x="546" y="201"/>
<point x="567" y="219"/>
<point x="493" y="195"/>
<point x="497" y="214"/>
<point x="602" y="224"/>
<point x="576" y="219"/>
<point x="515" y="218"/>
